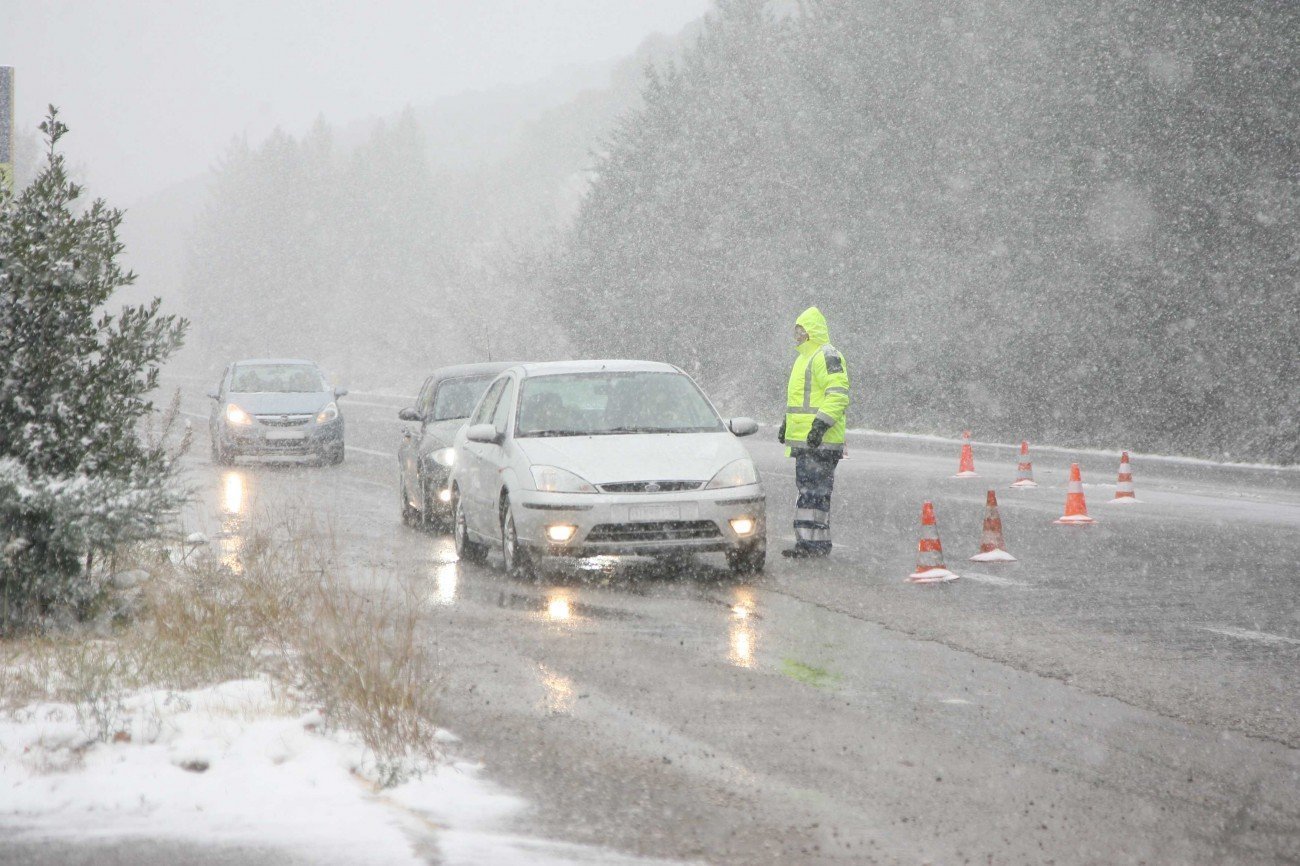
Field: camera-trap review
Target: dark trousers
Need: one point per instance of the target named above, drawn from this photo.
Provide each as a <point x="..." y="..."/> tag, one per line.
<point x="814" y="476"/>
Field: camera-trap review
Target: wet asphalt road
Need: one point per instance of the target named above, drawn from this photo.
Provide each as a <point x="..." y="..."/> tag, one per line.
<point x="1125" y="693"/>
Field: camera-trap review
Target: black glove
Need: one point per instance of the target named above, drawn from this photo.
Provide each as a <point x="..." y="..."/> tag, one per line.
<point x="819" y="428"/>
<point x="780" y="434"/>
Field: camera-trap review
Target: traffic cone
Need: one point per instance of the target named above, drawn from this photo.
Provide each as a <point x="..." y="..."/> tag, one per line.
<point x="1076" y="510"/>
<point x="929" y="552"/>
<point x="1124" y="493"/>
<point x="967" y="467"/>
<point x="1025" y="469"/>
<point x="993" y="548"/>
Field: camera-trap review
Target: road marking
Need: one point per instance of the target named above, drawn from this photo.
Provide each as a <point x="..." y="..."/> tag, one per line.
<point x="1247" y="634"/>
<point x="835" y="544"/>
<point x="992" y="580"/>
<point x="954" y="701"/>
<point x="194" y="415"/>
<point x="371" y="453"/>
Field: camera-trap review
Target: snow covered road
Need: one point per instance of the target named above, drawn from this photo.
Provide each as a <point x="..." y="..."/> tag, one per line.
<point x="1126" y="692"/>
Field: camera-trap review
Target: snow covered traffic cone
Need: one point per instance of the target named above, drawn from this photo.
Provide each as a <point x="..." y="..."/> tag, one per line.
<point x="1025" y="469"/>
<point x="929" y="552"/>
<point x="966" y="469"/>
<point x="993" y="547"/>
<point x="1076" y="509"/>
<point x="1124" y="493"/>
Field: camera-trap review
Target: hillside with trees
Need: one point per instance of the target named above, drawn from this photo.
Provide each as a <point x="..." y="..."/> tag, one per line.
<point x="1073" y="224"/>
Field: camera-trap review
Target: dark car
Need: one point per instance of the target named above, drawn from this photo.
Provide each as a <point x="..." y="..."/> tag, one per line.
<point x="276" y="407"/>
<point x="424" y="457"/>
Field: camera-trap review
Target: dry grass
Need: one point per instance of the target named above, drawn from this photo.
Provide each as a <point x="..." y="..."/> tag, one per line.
<point x="277" y="607"/>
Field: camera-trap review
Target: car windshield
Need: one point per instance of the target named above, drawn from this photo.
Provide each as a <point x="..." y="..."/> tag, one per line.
<point x="276" y="379"/>
<point x="456" y="398"/>
<point x="603" y="404"/>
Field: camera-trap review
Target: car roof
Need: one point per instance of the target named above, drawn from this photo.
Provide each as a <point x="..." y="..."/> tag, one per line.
<point x="301" y="361"/>
<point x="557" y="368"/>
<point x="457" y="371"/>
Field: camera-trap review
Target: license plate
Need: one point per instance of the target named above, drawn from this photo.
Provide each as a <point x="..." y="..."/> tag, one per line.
<point x="653" y="513"/>
<point x="285" y="434"/>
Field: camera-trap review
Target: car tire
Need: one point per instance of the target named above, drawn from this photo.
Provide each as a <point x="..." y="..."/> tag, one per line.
<point x="519" y="562"/>
<point x="748" y="559"/>
<point x="334" y="456"/>
<point x="220" y="456"/>
<point x="466" y="549"/>
<point x="429" y="517"/>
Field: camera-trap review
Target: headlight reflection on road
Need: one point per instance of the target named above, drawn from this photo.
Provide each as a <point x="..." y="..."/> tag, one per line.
<point x="742" y="636"/>
<point x="446" y="575"/>
<point x="557" y="607"/>
<point x="233" y="498"/>
<point x="559" y="691"/>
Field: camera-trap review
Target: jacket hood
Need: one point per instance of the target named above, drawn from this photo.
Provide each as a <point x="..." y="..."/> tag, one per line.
<point x="812" y="321"/>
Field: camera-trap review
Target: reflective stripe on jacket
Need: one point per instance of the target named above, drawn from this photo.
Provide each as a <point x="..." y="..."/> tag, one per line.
<point x="818" y="388"/>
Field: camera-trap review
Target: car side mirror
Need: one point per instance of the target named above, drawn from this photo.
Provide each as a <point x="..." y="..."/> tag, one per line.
<point x="410" y="413"/>
<point x="485" y="433"/>
<point x="212" y="393"/>
<point x="340" y="392"/>
<point x="743" y="426"/>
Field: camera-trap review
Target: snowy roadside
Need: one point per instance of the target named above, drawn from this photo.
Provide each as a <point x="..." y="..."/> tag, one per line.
<point x="241" y="762"/>
<point x="247" y="694"/>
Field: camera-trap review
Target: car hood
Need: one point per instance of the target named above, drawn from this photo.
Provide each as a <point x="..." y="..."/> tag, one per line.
<point x="445" y="431"/>
<point x="636" y="457"/>
<point x="280" y="404"/>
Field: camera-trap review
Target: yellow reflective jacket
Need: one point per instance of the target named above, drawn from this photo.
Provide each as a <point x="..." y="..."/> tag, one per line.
<point x="819" y="387"/>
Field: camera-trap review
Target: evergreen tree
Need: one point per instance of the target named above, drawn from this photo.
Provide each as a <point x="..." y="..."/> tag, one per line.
<point x="75" y="475"/>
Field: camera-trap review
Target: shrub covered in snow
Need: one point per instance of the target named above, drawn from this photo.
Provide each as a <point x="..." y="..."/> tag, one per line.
<point x="75" y="475"/>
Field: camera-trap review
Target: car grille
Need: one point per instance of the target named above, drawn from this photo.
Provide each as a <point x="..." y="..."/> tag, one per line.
<point x="667" y="530"/>
<point x="283" y="420"/>
<point x="650" y="486"/>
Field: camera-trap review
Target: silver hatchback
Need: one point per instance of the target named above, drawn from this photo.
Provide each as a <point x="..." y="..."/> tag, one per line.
<point x="584" y="458"/>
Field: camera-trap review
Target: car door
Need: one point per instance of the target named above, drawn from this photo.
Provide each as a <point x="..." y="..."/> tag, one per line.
<point x="408" y="452"/>
<point x="495" y="458"/>
<point x="477" y="455"/>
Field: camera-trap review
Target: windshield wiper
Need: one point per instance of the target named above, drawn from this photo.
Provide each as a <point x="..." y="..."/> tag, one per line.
<point x="642" y="430"/>
<point x="556" y="433"/>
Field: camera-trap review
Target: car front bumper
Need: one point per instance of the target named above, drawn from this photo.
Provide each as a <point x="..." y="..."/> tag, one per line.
<point x="261" y="440"/>
<point x="695" y="521"/>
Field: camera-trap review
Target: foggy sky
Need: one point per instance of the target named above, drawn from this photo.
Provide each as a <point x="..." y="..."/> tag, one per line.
<point x="155" y="89"/>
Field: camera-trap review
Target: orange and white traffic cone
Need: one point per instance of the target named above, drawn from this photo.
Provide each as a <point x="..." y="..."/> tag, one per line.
<point x="1124" y="492"/>
<point x="1025" y="469"/>
<point x="1076" y="510"/>
<point x="993" y="547"/>
<point x="929" y="552"/>
<point x="966" y="469"/>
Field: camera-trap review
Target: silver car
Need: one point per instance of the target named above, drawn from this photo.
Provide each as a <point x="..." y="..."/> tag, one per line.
<point x="586" y="458"/>
<point x="275" y="407"/>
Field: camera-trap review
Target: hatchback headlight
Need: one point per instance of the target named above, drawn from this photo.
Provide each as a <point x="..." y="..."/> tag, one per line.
<point x="329" y="413"/>
<point x="737" y="473"/>
<point x="237" y="416"/>
<point x="553" y="479"/>
<point x="444" y="457"/>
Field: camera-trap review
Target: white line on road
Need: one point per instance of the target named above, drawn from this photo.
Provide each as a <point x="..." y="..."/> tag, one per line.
<point x="1247" y="634"/>
<point x="371" y="453"/>
<point x="194" y="415"/>
<point x="835" y="544"/>
<point x="349" y="402"/>
<point x="991" y="579"/>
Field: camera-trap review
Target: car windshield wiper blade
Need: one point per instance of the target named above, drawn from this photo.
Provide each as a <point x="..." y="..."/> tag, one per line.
<point x="642" y="430"/>
<point x="557" y="433"/>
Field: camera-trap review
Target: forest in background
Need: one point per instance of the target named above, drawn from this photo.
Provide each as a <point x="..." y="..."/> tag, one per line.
<point x="1073" y="224"/>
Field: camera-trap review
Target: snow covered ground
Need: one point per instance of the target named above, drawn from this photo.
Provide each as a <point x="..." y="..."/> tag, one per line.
<point x="244" y="763"/>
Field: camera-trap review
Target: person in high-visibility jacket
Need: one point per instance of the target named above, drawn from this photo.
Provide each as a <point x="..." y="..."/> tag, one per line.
<point x="813" y="430"/>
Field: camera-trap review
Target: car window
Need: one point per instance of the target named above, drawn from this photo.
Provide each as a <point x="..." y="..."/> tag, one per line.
<point x="502" y="414"/>
<point x="595" y="404"/>
<point x="424" y="403"/>
<point x="487" y="407"/>
<point x="276" y="379"/>
<point x="457" y="397"/>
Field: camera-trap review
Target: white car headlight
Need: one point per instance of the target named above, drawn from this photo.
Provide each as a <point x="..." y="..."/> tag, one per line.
<point x="237" y="416"/>
<point x="444" y="457"/>
<point x="553" y="479"/>
<point x="329" y="413"/>
<point x="737" y="473"/>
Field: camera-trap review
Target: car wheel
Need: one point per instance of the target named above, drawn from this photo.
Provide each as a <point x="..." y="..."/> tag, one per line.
<point x="429" y="517"/>
<point x="749" y="559"/>
<point x="466" y="549"/>
<point x="518" y="560"/>
<point x="335" y="456"/>
<point x="221" y="456"/>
